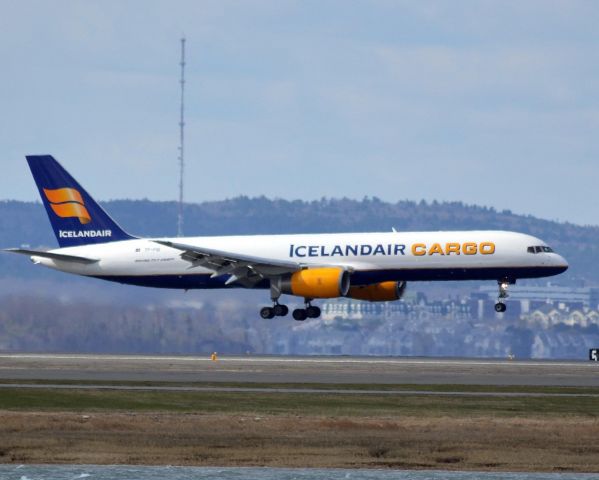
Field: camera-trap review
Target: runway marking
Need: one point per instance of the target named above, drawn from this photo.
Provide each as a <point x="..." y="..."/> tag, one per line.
<point x="383" y="361"/>
<point x="294" y="390"/>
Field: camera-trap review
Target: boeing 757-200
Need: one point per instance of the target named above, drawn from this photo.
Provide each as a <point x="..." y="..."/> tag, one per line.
<point x="365" y="266"/>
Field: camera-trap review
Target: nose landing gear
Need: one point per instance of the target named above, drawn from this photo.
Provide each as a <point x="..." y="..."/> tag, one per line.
<point x="500" y="307"/>
<point x="503" y="294"/>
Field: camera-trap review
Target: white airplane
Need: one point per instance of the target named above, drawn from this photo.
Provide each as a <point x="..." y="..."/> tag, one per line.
<point x="365" y="266"/>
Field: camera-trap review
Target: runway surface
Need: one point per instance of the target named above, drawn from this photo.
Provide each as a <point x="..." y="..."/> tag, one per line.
<point x="291" y="370"/>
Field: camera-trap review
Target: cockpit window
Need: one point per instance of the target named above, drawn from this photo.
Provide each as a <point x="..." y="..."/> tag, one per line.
<point x="539" y="249"/>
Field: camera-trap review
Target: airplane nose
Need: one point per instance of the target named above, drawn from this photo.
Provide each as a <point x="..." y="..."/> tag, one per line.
<point x="561" y="263"/>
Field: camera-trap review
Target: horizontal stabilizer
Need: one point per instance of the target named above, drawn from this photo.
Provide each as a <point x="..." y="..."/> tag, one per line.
<point x="54" y="256"/>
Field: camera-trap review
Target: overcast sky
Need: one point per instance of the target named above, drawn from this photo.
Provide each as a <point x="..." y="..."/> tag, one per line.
<point x="490" y="103"/>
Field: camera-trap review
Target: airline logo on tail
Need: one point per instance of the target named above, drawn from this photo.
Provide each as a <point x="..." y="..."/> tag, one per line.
<point x="68" y="203"/>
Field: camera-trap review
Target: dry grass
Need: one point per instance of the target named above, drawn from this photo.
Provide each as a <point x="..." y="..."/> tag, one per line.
<point x="487" y="443"/>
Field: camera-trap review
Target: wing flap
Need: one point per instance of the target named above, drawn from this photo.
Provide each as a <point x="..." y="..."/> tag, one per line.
<point x="244" y="269"/>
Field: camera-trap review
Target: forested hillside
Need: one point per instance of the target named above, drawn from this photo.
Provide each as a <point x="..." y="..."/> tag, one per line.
<point x="26" y="223"/>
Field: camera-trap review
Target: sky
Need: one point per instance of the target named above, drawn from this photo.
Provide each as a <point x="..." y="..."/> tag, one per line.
<point x="488" y="103"/>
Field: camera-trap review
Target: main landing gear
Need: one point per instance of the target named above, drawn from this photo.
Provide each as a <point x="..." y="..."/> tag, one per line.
<point x="503" y="286"/>
<point x="277" y="310"/>
<point x="310" y="311"/>
<point x="300" y="314"/>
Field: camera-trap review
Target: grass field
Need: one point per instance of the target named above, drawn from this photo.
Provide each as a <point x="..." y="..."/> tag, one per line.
<point x="49" y="399"/>
<point x="48" y="425"/>
<point x="326" y="386"/>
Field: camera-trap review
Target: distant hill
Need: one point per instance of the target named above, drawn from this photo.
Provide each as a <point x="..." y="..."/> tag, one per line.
<point x="26" y="223"/>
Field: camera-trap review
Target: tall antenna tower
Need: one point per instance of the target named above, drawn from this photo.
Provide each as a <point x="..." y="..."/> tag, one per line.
<point x="181" y="141"/>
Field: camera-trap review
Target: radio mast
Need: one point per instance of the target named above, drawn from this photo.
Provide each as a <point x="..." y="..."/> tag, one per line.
<point x="181" y="141"/>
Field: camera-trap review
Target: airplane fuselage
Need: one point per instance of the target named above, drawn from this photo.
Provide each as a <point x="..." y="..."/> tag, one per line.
<point x="370" y="257"/>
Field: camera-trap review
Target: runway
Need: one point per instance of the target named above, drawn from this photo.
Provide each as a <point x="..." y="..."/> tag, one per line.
<point x="297" y="370"/>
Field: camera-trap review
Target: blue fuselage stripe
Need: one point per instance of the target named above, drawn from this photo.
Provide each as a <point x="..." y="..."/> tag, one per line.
<point x="361" y="277"/>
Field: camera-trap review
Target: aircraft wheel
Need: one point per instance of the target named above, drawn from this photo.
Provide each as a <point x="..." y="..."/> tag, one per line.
<point x="313" y="312"/>
<point x="300" y="314"/>
<point x="500" y="307"/>
<point x="267" y="312"/>
<point x="281" y="310"/>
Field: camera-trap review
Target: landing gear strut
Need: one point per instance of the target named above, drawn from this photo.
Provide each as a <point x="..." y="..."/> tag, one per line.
<point x="277" y="309"/>
<point x="310" y="311"/>
<point x="503" y="286"/>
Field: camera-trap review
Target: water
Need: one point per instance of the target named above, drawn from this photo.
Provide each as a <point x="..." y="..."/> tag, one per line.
<point x="118" y="472"/>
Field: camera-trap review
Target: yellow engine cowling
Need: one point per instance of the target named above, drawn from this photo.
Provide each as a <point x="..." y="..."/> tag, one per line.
<point x="316" y="283"/>
<point x="378" y="292"/>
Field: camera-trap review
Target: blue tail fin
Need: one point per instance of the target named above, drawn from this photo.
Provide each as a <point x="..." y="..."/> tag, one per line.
<point x="75" y="216"/>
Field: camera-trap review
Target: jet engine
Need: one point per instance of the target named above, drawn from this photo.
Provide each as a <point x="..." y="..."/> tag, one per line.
<point x="378" y="292"/>
<point x="316" y="283"/>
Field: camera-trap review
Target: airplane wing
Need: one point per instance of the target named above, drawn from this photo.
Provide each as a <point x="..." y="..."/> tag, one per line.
<point x="244" y="269"/>
<point x="54" y="256"/>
